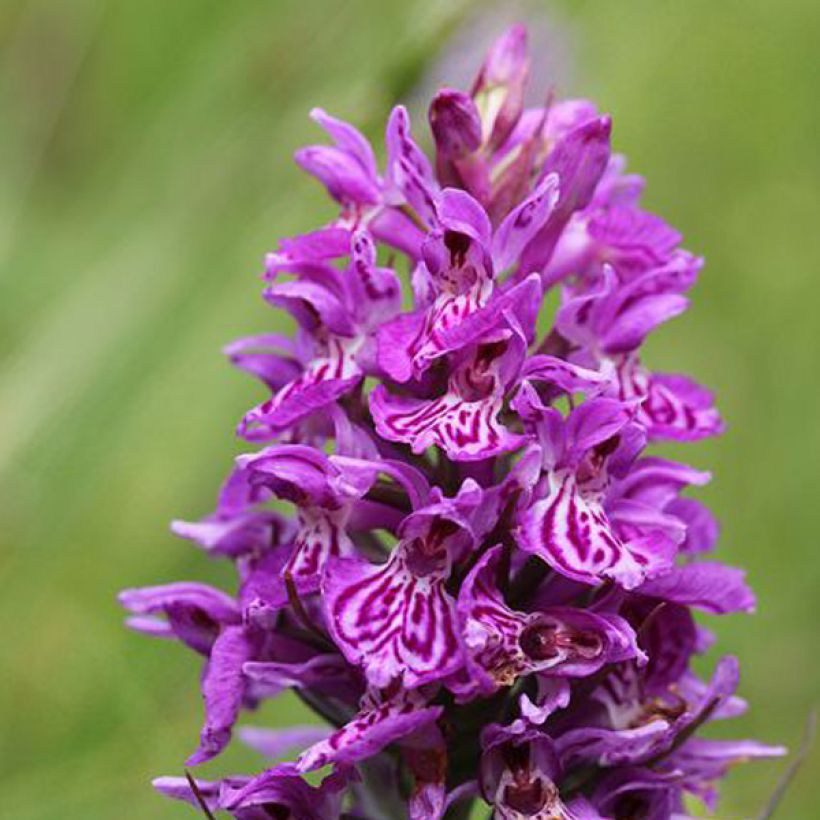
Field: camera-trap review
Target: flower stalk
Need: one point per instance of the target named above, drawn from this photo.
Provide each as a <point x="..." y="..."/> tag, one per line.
<point x="487" y="580"/>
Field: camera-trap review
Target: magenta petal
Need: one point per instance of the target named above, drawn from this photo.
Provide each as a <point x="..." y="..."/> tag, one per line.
<point x="279" y="742"/>
<point x="711" y="587"/>
<point x="524" y="222"/>
<point x="316" y="388"/>
<point x="194" y="612"/>
<point x="327" y="674"/>
<point x="376" y="726"/>
<point x="678" y="408"/>
<point x="223" y="689"/>
<point x="455" y="123"/>
<point x="341" y="174"/>
<point x="395" y="345"/>
<point x="702" y="529"/>
<point x="573" y="535"/>
<point x="347" y="139"/>
<point x="272" y="358"/>
<point x="394" y="620"/>
<point x="178" y="788"/>
<point x="465" y="430"/>
<point x="568" y="377"/>
<point x="409" y="175"/>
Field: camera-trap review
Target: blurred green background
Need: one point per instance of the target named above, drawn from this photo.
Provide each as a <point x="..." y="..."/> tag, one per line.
<point x="144" y="171"/>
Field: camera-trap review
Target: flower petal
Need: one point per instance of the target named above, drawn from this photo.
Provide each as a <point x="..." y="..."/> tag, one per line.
<point x="409" y="175"/>
<point x="373" y="728"/>
<point x="572" y="533"/>
<point x="223" y="689"/>
<point x="711" y="587"/>
<point x="465" y="430"/>
<point x="395" y="620"/>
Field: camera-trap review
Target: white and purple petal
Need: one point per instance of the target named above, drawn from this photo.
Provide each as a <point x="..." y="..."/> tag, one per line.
<point x="396" y="620"/>
<point x="570" y="530"/>
<point x="378" y="724"/>
<point x="465" y="430"/>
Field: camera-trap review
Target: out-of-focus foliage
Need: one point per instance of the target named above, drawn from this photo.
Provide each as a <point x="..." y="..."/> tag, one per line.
<point x="145" y="170"/>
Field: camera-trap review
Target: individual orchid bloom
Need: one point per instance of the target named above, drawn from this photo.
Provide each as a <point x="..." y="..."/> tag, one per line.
<point x="335" y="310"/>
<point x="519" y="772"/>
<point x="454" y="545"/>
<point x="568" y="527"/>
<point x="501" y="644"/>
<point x="327" y="492"/>
<point x="348" y="171"/>
<point x="636" y="792"/>
<point x="281" y="794"/>
<point x="240" y="525"/>
<point x="190" y="612"/>
<point x="639" y="730"/>
<point x="397" y="620"/>
<point x="382" y="719"/>
<point x="464" y="422"/>
<point x="672" y="407"/>
<point x="324" y="501"/>
<point x="613" y="318"/>
<point x="348" y="168"/>
<point x="462" y="255"/>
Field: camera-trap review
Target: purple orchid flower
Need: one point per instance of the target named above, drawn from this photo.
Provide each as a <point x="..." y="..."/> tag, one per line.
<point x="457" y="545"/>
<point x="501" y="644"/>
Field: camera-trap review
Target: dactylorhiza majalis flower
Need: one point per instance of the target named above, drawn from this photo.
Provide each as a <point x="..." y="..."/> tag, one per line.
<point x="487" y="584"/>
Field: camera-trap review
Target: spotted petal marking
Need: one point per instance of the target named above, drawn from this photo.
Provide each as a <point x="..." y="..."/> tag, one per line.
<point x="569" y="529"/>
<point x="412" y="342"/>
<point x="321" y="535"/>
<point x="674" y="407"/>
<point x="324" y="380"/>
<point x="631" y="239"/>
<point x="448" y="311"/>
<point x="490" y="630"/>
<point x="373" y="728"/>
<point x="395" y="620"/>
<point x="465" y="430"/>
